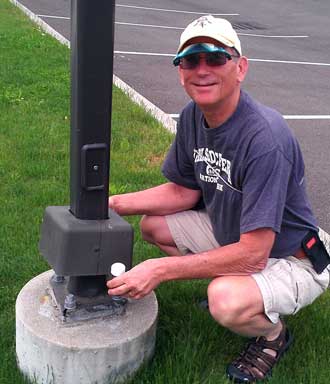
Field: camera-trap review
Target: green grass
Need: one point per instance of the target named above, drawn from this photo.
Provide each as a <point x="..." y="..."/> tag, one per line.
<point x="34" y="162"/>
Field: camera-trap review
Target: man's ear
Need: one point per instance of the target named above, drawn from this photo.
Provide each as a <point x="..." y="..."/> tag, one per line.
<point x="180" y="72"/>
<point x="242" y="68"/>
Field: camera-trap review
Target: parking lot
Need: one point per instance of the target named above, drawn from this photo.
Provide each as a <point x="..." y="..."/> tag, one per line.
<point x="287" y="43"/>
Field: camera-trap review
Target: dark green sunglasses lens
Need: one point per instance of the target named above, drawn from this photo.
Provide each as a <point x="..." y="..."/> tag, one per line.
<point x="213" y="59"/>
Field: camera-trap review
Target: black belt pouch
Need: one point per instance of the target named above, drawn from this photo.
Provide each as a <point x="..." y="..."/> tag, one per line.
<point x="316" y="251"/>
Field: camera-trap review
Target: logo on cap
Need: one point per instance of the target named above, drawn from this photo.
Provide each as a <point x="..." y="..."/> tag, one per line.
<point x="203" y="21"/>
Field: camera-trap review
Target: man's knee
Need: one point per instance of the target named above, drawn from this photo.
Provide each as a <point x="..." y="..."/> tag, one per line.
<point x="226" y="303"/>
<point x="154" y="230"/>
<point x="147" y="228"/>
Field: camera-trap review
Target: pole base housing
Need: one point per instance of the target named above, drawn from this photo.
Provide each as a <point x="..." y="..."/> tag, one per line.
<point x="75" y="247"/>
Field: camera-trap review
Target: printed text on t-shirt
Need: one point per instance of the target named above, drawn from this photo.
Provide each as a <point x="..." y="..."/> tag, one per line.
<point x="216" y="164"/>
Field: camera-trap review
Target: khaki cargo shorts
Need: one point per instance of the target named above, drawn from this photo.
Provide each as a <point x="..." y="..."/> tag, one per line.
<point x="286" y="285"/>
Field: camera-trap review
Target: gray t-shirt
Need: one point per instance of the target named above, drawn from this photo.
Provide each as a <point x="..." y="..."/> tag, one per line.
<point x="250" y="171"/>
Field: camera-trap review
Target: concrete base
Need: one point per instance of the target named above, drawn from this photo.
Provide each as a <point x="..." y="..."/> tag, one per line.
<point x="101" y="351"/>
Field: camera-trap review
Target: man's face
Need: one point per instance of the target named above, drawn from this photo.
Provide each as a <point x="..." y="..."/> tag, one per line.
<point x="210" y="86"/>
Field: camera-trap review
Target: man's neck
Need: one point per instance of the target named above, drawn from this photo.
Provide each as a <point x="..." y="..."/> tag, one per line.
<point x="216" y="115"/>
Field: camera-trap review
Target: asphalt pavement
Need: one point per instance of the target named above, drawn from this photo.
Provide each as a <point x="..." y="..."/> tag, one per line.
<point x="287" y="43"/>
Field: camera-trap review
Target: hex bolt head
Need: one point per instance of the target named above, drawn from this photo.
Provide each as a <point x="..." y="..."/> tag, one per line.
<point x="119" y="301"/>
<point x="70" y="302"/>
<point x="57" y="278"/>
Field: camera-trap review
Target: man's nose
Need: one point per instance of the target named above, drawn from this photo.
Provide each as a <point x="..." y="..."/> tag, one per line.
<point x="202" y="66"/>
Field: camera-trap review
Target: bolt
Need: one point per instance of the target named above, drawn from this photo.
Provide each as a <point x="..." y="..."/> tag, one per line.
<point x="96" y="167"/>
<point x="70" y="302"/>
<point x="57" y="278"/>
<point x="119" y="301"/>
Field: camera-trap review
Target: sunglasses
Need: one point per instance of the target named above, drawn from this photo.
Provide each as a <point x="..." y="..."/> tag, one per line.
<point x="213" y="59"/>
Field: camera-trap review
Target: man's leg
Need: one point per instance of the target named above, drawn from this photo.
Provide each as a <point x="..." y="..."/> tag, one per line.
<point x="243" y="313"/>
<point x="154" y="230"/>
<point x="250" y="305"/>
<point x="180" y="233"/>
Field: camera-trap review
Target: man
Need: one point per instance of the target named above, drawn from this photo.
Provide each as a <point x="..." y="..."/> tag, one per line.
<point x="240" y="159"/>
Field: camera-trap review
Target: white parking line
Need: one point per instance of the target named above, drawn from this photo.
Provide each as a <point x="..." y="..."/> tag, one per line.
<point x="54" y="17"/>
<point x="144" y="53"/>
<point x="286" y="117"/>
<point x="273" y="36"/>
<point x="177" y="11"/>
<point x="148" y="25"/>
<point x="181" y="29"/>
<point x="307" y="117"/>
<point x="290" y="62"/>
<point x="256" y="60"/>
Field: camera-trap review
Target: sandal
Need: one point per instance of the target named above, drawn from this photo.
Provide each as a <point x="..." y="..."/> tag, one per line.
<point x="254" y="364"/>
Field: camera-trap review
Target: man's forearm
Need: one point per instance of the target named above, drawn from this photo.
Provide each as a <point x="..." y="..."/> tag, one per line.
<point x="210" y="264"/>
<point x="161" y="200"/>
<point x="245" y="257"/>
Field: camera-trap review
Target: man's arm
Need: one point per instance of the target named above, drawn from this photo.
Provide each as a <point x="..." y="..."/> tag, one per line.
<point x="245" y="257"/>
<point x="161" y="200"/>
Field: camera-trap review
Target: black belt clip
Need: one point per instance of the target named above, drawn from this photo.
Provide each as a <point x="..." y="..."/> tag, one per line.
<point x="316" y="251"/>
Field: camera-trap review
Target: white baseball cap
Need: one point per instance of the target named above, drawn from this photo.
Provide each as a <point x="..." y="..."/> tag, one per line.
<point x="215" y="28"/>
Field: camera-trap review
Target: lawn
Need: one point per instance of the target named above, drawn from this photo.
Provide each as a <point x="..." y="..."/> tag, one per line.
<point x="34" y="171"/>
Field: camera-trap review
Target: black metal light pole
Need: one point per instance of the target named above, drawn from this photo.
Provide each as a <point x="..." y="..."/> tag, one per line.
<point x="92" y="41"/>
<point x="83" y="240"/>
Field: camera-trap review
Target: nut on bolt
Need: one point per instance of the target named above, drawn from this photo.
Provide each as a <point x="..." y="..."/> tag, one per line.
<point x="70" y="302"/>
<point x="57" y="278"/>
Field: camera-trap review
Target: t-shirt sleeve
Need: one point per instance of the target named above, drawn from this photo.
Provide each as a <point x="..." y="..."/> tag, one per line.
<point x="178" y="166"/>
<point x="264" y="190"/>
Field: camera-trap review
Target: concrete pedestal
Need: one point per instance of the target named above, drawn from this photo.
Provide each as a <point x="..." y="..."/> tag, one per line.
<point x="100" y="351"/>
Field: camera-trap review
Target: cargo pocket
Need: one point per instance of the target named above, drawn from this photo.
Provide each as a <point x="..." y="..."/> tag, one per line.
<point x="309" y="285"/>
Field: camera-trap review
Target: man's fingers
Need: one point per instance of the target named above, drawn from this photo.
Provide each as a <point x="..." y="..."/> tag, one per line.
<point x="116" y="282"/>
<point x="134" y="284"/>
<point x="119" y="291"/>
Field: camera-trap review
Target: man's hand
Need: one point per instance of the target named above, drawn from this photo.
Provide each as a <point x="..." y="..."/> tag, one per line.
<point x="137" y="282"/>
<point x="113" y="202"/>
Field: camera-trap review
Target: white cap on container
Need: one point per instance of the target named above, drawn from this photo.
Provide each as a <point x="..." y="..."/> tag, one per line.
<point x="117" y="269"/>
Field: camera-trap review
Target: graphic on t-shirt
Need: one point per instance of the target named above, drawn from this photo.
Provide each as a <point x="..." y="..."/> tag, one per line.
<point x="218" y="168"/>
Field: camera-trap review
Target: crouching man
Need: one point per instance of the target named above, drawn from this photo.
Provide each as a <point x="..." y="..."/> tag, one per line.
<point x="241" y="160"/>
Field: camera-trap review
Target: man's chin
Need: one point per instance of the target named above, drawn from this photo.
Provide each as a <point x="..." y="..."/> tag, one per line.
<point x="205" y="102"/>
